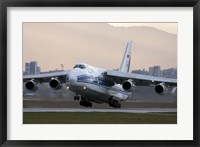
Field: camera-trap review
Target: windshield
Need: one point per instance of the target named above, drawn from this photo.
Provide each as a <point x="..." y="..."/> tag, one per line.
<point x="79" y="66"/>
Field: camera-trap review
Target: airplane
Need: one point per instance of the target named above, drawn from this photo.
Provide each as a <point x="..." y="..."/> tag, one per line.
<point x="93" y="84"/>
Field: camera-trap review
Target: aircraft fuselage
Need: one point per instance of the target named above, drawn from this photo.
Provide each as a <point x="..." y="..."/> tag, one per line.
<point x="89" y="82"/>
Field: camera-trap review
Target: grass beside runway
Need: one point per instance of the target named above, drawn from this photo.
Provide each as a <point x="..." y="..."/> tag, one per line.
<point x="98" y="118"/>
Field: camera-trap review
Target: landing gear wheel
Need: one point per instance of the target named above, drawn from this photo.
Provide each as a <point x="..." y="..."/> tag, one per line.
<point x="89" y="104"/>
<point x="76" y="98"/>
<point x="119" y="105"/>
<point x="81" y="103"/>
<point x="115" y="104"/>
<point x="86" y="103"/>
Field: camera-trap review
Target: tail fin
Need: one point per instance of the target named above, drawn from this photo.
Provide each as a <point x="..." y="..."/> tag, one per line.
<point x="125" y="64"/>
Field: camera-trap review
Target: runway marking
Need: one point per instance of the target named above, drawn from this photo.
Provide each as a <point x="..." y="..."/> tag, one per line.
<point x="130" y="110"/>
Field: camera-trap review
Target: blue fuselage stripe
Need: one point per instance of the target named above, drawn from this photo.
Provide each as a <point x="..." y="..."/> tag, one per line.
<point x="99" y="82"/>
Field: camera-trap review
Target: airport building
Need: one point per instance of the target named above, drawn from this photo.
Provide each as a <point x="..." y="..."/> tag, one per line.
<point x="155" y="71"/>
<point x="170" y="73"/>
<point x="27" y="69"/>
<point x="32" y="68"/>
<point x="38" y="70"/>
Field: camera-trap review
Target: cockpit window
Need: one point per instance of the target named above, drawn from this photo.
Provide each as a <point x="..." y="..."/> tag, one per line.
<point x="79" y="66"/>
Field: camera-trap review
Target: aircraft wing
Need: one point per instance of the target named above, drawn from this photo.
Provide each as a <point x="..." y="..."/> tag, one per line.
<point x="138" y="79"/>
<point x="46" y="76"/>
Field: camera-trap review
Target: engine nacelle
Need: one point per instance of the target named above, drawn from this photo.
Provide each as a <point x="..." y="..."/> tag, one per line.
<point x="31" y="85"/>
<point x="161" y="89"/>
<point x="55" y="83"/>
<point x="174" y="91"/>
<point x="127" y="85"/>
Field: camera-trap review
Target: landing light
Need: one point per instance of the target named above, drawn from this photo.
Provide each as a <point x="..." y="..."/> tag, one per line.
<point x="67" y="87"/>
<point x="84" y="88"/>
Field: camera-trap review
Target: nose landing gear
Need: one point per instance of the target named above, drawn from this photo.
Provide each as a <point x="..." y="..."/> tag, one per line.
<point x="76" y="98"/>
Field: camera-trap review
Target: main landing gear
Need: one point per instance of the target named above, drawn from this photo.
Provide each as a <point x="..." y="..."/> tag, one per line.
<point x="114" y="103"/>
<point x="84" y="102"/>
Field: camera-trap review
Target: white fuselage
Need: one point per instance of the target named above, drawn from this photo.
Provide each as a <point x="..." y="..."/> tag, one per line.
<point x="89" y="81"/>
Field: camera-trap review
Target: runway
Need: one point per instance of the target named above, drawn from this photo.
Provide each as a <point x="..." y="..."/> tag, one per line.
<point x="130" y="110"/>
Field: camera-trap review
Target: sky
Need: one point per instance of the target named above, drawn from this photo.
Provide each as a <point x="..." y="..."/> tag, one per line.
<point x="99" y="44"/>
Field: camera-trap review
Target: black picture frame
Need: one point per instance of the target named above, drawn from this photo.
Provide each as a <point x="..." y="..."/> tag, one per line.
<point x="4" y="4"/>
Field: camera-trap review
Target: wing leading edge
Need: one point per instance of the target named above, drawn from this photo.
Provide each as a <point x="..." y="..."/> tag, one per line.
<point x="139" y="79"/>
<point x="46" y="77"/>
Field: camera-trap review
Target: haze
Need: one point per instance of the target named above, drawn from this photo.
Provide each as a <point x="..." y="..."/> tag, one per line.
<point x="167" y="27"/>
<point x="98" y="44"/>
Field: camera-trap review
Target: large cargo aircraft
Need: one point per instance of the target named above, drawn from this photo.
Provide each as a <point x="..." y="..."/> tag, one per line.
<point x="93" y="84"/>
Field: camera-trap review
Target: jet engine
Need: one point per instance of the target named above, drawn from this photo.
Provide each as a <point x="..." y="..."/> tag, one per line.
<point x="161" y="88"/>
<point x="55" y="83"/>
<point x="127" y="85"/>
<point x="174" y="90"/>
<point x="31" y="85"/>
